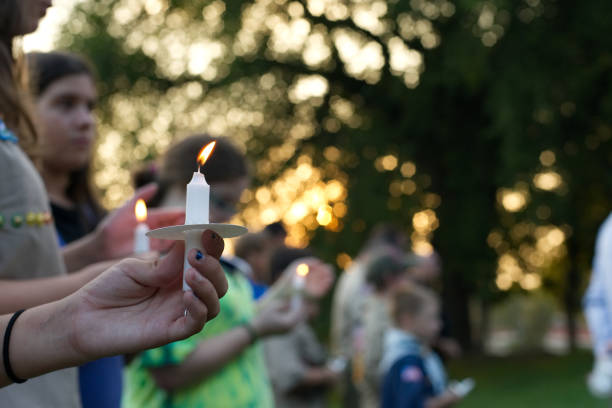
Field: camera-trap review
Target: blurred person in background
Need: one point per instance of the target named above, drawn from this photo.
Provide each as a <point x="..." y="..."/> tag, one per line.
<point x="386" y="271"/>
<point x="297" y="361"/>
<point x="597" y="304"/>
<point x="253" y="252"/>
<point x="413" y="374"/>
<point x="65" y="96"/>
<point x="348" y="308"/>
<point x="276" y="234"/>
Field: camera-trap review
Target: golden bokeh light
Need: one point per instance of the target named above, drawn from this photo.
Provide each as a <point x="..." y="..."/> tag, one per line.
<point x="307" y="87"/>
<point x="547" y="158"/>
<point x="503" y="281"/>
<point x="343" y="260"/>
<point x="512" y="200"/>
<point x="422" y="248"/>
<point x="531" y="281"/>
<point x="527" y="265"/>
<point x="340" y="209"/>
<point x="324" y="215"/>
<point x="548" y="180"/>
<point x="408" y="169"/>
<point x="425" y="221"/>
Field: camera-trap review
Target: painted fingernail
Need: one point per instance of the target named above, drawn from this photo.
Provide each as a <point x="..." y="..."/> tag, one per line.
<point x="199" y="255"/>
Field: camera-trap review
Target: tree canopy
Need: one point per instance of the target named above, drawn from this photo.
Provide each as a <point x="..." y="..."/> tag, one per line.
<point x="481" y="128"/>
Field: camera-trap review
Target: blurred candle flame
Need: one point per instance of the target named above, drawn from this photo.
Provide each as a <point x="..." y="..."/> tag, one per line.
<point x="140" y="209"/>
<point x="302" y="270"/>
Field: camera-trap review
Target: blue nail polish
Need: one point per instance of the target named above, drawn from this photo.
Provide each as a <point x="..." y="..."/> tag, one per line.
<point x="199" y="255"/>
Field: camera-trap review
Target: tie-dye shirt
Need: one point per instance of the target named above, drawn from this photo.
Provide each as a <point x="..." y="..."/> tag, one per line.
<point x="241" y="383"/>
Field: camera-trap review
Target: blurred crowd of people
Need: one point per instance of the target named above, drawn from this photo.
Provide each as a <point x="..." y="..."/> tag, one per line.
<point x="136" y="338"/>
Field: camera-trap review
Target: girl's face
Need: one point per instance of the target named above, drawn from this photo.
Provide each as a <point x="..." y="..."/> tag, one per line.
<point x="65" y="113"/>
<point x="32" y="11"/>
<point x="225" y="197"/>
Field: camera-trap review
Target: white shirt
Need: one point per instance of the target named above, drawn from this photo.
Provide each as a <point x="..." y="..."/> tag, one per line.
<point x="597" y="301"/>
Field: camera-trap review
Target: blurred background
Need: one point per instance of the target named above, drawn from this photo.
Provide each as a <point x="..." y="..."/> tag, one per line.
<point x="482" y="128"/>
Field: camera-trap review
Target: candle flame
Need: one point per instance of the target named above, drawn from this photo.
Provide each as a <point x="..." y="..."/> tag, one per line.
<point x="140" y="209"/>
<point x="205" y="152"/>
<point x="302" y="269"/>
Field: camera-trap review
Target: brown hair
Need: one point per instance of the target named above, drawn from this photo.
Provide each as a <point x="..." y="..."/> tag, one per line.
<point x="250" y="243"/>
<point x="227" y="163"/>
<point x="14" y="105"/>
<point x="409" y="300"/>
<point x="282" y="258"/>
<point x="45" y="69"/>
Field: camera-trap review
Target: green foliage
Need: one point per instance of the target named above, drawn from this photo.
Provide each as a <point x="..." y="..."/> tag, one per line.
<point x="500" y="82"/>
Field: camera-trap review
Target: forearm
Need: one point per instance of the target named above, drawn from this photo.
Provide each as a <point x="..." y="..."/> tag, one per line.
<point x="82" y="252"/>
<point x="208" y="358"/>
<point x="27" y="293"/>
<point x="40" y="341"/>
<point x="316" y="376"/>
<point x="446" y="399"/>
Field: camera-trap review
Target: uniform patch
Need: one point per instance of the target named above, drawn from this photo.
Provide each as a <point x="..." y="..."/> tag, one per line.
<point x="411" y="374"/>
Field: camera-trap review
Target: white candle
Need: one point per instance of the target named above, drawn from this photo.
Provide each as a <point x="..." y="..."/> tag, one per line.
<point x="196" y="208"/>
<point x="141" y="241"/>
<point x="198" y="196"/>
<point x="299" y="281"/>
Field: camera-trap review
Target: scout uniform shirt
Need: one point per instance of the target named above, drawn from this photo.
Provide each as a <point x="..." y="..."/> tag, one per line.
<point x="412" y="373"/>
<point x="29" y="249"/>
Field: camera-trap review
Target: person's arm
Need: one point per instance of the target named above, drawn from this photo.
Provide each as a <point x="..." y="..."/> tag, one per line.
<point x="208" y="358"/>
<point x="27" y="293"/>
<point x="114" y="236"/>
<point x="317" y="376"/>
<point x="213" y="354"/>
<point x="134" y="305"/>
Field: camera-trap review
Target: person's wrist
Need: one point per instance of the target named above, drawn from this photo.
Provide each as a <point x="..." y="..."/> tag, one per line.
<point x="257" y="327"/>
<point x="42" y="340"/>
<point x="251" y="331"/>
<point x="69" y="313"/>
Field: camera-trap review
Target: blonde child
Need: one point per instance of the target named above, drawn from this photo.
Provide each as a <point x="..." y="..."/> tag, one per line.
<point x="413" y="375"/>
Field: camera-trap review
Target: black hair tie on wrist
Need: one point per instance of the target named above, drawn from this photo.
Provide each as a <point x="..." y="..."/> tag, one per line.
<point x="5" y="349"/>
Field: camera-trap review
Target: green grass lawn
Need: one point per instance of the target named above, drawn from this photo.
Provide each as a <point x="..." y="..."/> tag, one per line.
<point x="538" y="381"/>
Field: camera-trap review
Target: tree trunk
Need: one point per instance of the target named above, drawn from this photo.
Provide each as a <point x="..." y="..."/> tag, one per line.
<point x="571" y="302"/>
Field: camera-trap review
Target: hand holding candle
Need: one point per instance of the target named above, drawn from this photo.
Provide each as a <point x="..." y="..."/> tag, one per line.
<point x="141" y="240"/>
<point x="197" y="225"/>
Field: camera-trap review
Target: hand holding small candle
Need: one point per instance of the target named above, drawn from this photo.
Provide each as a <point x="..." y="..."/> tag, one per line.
<point x="197" y="225"/>
<point x="141" y="240"/>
